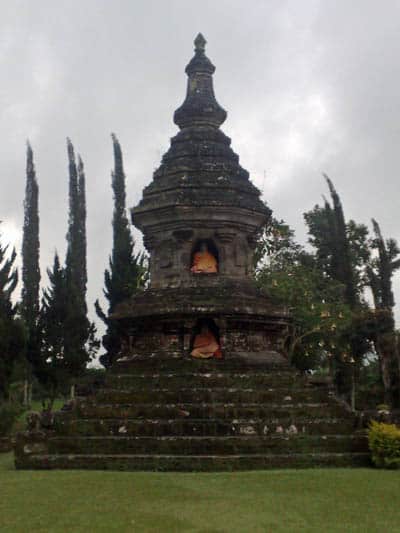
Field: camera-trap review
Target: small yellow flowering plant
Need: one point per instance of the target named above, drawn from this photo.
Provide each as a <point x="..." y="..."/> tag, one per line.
<point x="384" y="444"/>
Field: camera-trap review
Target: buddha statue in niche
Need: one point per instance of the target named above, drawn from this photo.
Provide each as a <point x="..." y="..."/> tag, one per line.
<point x="204" y="262"/>
<point x="205" y="345"/>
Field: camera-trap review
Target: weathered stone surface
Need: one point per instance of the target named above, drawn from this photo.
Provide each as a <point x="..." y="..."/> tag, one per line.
<point x="123" y="428"/>
<point x="200" y="445"/>
<point x="193" y="463"/>
<point x="159" y="427"/>
<point x="200" y="193"/>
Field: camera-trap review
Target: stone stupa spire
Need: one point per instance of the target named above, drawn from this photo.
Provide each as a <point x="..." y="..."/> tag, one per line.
<point x="200" y="107"/>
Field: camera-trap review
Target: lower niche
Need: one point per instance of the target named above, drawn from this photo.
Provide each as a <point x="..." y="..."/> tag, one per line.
<point x="205" y="341"/>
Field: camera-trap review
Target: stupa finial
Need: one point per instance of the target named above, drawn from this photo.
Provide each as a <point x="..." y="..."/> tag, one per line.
<point x="200" y="43"/>
<point x="200" y="107"/>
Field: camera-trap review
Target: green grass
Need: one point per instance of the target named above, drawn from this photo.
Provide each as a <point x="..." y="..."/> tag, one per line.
<point x="359" y="500"/>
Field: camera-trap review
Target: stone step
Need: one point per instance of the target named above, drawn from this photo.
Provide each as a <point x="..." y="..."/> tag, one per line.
<point x="190" y="463"/>
<point x="168" y="379"/>
<point x="199" y="416"/>
<point x="88" y="409"/>
<point x="276" y="444"/>
<point x="210" y="395"/>
<point x="211" y="427"/>
<point x="194" y="365"/>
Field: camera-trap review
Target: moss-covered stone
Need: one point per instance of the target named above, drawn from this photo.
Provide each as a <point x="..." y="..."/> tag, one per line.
<point x="185" y="425"/>
<point x="192" y="463"/>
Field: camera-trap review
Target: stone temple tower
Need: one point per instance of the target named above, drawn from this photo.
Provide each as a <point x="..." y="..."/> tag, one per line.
<point x="201" y="382"/>
<point x="201" y="196"/>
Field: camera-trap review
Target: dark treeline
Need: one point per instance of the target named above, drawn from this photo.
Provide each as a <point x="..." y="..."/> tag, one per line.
<point x="68" y="340"/>
<point x="49" y="338"/>
<point x="335" y="328"/>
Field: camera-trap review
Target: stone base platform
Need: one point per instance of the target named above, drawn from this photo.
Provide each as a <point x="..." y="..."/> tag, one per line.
<point x="189" y="415"/>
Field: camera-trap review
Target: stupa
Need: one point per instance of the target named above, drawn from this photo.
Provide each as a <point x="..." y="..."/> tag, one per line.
<point x="201" y="198"/>
<point x="201" y="382"/>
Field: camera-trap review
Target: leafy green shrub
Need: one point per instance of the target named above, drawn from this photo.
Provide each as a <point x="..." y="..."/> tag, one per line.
<point x="384" y="444"/>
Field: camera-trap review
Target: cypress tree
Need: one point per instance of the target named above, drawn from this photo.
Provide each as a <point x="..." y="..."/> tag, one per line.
<point x="330" y="235"/>
<point x="82" y="243"/>
<point x="80" y="342"/>
<point x="73" y="259"/>
<point x="343" y="265"/>
<point x="341" y="253"/>
<point x="127" y="272"/>
<point x="12" y="332"/>
<point x="380" y="272"/>
<point x="30" y="261"/>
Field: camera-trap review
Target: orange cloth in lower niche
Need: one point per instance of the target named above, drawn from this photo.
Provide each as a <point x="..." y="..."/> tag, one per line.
<point x="204" y="262"/>
<point x="206" y="346"/>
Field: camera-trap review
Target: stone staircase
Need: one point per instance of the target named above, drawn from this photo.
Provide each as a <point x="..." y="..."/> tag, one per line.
<point x="199" y="416"/>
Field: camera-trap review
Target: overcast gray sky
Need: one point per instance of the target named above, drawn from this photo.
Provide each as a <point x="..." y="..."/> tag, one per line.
<point x="310" y="86"/>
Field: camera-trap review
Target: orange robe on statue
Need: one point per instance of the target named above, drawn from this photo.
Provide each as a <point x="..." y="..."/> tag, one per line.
<point x="205" y="346"/>
<point x="204" y="262"/>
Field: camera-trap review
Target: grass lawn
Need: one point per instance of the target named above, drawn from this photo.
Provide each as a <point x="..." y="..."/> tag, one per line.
<point x="342" y="500"/>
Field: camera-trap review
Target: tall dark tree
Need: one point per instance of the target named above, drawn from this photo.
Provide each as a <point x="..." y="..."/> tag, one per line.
<point x="380" y="269"/>
<point x="12" y="331"/>
<point x="341" y="247"/>
<point x="127" y="270"/>
<point x="80" y="342"/>
<point x="30" y="262"/>
<point x="342" y="261"/>
<point x="82" y="225"/>
<point x="341" y="253"/>
<point x="53" y="368"/>
<point x="68" y="339"/>
<point x="75" y="262"/>
<point x="380" y="272"/>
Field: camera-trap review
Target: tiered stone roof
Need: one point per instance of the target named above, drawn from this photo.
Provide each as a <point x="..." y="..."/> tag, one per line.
<point x="200" y="168"/>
